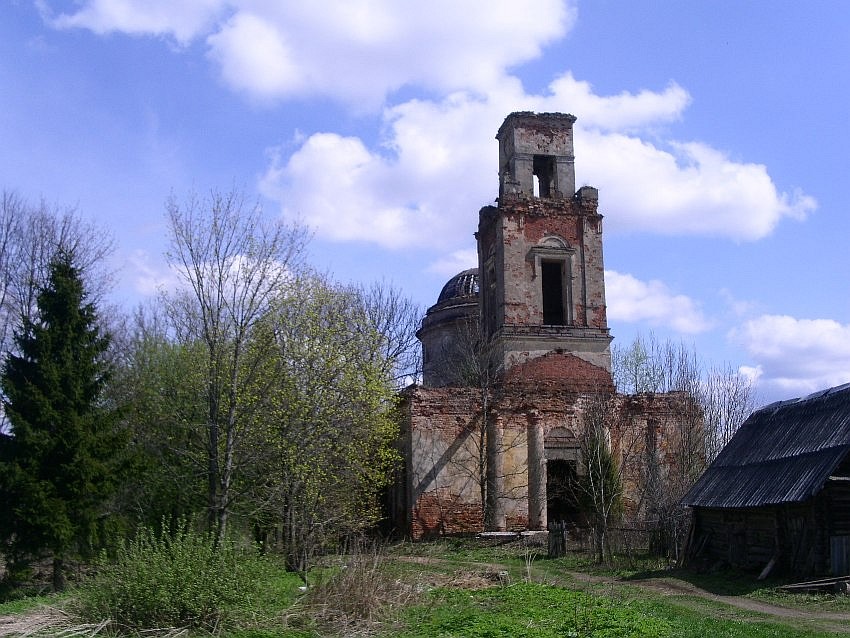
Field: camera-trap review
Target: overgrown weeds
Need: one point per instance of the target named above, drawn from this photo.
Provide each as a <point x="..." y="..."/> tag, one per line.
<point x="357" y="594"/>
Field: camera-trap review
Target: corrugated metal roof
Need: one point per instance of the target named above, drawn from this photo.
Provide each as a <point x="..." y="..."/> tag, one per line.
<point x="783" y="453"/>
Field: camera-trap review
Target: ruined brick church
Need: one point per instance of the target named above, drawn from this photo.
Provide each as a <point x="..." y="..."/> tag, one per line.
<point x="506" y="440"/>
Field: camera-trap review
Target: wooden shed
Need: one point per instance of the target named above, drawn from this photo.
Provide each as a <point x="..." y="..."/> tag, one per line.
<point x="777" y="497"/>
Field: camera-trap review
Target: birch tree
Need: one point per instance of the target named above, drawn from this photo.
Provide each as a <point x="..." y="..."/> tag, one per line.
<point x="234" y="266"/>
<point x="724" y="395"/>
<point x="599" y="485"/>
<point x="715" y="401"/>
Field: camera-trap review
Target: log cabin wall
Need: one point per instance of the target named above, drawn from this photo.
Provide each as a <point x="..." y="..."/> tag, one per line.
<point x="796" y="536"/>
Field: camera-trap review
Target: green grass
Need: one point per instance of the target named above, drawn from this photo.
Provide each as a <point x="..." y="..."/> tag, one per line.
<point x="488" y="613"/>
<point x="529" y="610"/>
<point x="23" y="605"/>
<point x="452" y="599"/>
<point x="537" y="610"/>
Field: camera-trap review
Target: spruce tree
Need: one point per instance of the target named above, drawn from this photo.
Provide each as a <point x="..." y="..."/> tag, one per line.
<point x="57" y="467"/>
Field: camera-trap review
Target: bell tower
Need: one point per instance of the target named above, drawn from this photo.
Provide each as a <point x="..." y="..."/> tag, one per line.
<point x="542" y="287"/>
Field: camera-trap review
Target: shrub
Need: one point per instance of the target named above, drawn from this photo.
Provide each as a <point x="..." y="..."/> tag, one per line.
<point x="175" y="578"/>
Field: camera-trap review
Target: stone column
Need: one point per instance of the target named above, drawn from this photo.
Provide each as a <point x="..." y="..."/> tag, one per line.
<point x="495" y="520"/>
<point x="536" y="473"/>
<point x="565" y="176"/>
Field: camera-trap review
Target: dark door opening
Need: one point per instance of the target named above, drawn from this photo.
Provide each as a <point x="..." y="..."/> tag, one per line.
<point x="561" y="493"/>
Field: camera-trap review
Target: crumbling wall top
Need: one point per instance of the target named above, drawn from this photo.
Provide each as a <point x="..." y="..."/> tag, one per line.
<point x="536" y="122"/>
<point x="536" y="155"/>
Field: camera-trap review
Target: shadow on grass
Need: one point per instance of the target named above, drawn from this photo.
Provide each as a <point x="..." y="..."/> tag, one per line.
<point x="724" y="582"/>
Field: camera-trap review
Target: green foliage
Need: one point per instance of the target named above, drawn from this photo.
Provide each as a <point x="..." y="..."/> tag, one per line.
<point x="24" y="604"/>
<point x="174" y="578"/>
<point x="601" y="484"/>
<point x="328" y="417"/>
<point x="61" y="465"/>
<point x="161" y="386"/>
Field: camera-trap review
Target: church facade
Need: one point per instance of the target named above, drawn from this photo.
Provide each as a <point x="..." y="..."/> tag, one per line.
<point x="517" y="364"/>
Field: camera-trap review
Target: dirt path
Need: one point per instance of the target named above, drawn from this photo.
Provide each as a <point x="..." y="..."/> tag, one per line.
<point x="687" y="595"/>
<point x="825" y="621"/>
<point x="30" y="623"/>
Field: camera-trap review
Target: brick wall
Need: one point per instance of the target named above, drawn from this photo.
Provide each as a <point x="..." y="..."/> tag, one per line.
<point x="444" y="438"/>
<point x="560" y="371"/>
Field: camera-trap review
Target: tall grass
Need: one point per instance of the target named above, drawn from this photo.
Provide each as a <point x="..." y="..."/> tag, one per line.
<point x="358" y="594"/>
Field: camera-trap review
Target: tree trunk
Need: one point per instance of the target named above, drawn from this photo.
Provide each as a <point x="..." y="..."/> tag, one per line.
<point x="58" y="574"/>
<point x="495" y="511"/>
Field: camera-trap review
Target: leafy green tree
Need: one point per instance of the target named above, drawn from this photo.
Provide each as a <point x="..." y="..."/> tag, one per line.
<point x="160" y="386"/>
<point x="329" y="414"/>
<point x="58" y="469"/>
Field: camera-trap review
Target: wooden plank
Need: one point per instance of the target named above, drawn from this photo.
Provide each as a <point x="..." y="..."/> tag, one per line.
<point x="768" y="568"/>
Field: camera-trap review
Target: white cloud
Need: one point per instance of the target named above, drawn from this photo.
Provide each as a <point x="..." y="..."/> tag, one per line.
<point x="796" y="356"/>
<point x="344" y="192"/>
<point x="688" y="189"/>
<point x="151" y="276"/>
<point x="436" y="163"/>
<point x="652" y="302"/>
<point x="455" y="262"/>
<point x="357" y="52"/>
<point x="182" y="20"/>
<point x="256" y="57"/>
<point x="619" y="112"/>
<point x="422" y="187"/>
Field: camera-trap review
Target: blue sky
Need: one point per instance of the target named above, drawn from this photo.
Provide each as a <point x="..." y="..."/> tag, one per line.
<point x="715" y="132"/>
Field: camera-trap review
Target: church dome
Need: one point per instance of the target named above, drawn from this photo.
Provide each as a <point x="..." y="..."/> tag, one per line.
<point x="443" y="324"/>
<point x="463" y="284"/>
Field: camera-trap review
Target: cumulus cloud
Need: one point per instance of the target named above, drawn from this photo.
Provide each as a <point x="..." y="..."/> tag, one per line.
<point x="423" y="186"/>
<point x="182" y="21"/>
<point x="619" y="112"/>
<point x="794" y="357"/>
<point x="651" y="302"/>
<point x="357" y="52"/>
<point x="345" y="192"/>
<point x="435" y="164"/>
<point x="687" y="188"/>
